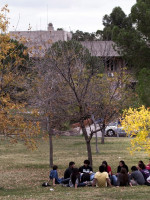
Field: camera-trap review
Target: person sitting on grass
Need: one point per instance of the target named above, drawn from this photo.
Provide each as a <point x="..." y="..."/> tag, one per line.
<point x="123" y="178"/>
<point x="148" y="166"/>
<point x="140" y="162"/>
<point x="86" y="172"/>
<point x="122" y="165"/>
<point x="115" y="177"/>
<point x="54" y="176"/>
<point x="136" y="177"/>
<point x="101" y="178"/>
<point x="69" y="170"/>
<point x="107" y="168"/>
<point x="75" y="179"/>
<point x="145" y="173"/>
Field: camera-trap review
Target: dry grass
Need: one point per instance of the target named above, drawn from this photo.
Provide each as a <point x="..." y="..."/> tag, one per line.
<point x="22" y="171"/>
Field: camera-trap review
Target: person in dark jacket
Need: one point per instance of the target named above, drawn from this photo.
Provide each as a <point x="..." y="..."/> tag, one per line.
<point x="122" y="165"/>
<point x="69" y="170"/>
<point x="115" y="177"/>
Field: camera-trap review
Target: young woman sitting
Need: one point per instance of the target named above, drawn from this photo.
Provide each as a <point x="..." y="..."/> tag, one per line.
<point x="107" y="168"/>
<point x="123" y="178"/>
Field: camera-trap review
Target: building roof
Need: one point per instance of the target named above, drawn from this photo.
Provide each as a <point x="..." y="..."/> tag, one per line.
<point x="101" y="48"/>
<point x="40" y="41"/>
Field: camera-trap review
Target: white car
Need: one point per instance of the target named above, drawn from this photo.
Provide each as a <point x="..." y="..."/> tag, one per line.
<point x="114" y="129"/>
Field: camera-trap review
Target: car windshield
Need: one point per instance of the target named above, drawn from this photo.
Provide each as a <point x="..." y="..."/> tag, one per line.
<point x="112" y="124"/>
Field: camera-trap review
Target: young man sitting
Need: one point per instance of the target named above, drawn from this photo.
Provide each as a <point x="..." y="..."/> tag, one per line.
<point x="69" y="171"/>
<point x="86" y="172"/>
<point x="136" y="177"/>
<point x="54" y="176"/>
<point x="101" y="178"/>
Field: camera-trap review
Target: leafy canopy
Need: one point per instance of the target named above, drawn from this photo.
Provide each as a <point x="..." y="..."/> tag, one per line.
<point x="132" y="36"/>
<point x="13" y="122"/>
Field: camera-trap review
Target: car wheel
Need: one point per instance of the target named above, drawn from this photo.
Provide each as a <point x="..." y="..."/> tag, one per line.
<point x="110" y="133"/>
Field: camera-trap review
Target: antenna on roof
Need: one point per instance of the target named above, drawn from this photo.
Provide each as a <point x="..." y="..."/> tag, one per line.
<point x="17" y="22"/>
<point x="40" y="23"/>
<point x="47" y="14"/>
<point x="70" y="29"/>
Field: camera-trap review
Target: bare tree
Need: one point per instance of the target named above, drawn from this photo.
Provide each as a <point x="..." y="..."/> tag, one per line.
<point x="114" y="94"/>
<point x="43" y="95"/>
<point x="83" y="89"/>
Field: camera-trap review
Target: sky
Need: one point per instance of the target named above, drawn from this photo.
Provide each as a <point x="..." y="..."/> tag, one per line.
<point x="71" y="15"/>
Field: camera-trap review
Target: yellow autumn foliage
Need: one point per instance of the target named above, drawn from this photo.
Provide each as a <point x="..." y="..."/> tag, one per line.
<point x="136" y="123"/>
<point x="14" y="123"/>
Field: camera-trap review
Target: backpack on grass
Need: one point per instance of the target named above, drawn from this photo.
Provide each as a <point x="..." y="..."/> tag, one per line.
<point x="45" y="184"/>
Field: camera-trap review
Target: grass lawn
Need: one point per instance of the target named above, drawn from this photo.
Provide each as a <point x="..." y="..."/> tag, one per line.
<point x="23" y="171"/>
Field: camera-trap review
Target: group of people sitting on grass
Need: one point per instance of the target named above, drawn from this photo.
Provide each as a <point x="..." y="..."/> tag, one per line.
<point x="84" y="176"/>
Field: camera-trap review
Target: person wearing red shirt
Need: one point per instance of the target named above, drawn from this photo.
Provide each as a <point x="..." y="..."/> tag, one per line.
<point x="148" y="166"/>
<point x="107" y="168"/>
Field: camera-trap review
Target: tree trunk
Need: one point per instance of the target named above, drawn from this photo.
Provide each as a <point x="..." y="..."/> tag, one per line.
<point x="96" y="139"/>
<point x="50" y="132"/>
<point x="51" y="149"/>
<point x="88" y="144"/>
<point x="103" y="134"/>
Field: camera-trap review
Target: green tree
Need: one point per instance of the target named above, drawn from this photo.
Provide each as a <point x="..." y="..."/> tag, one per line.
<point x="143" y="86"/>
<point x="132" y="38"/>
<point x="140" y="14"/>
<point x="116" y="19"/>
<point x="83" y="36"/>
